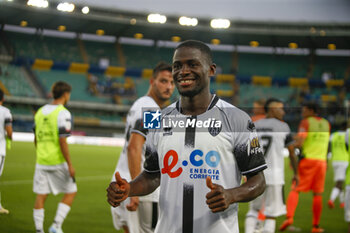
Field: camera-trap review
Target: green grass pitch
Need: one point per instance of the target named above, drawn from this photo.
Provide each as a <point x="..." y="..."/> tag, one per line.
<point x="90" y="212"/>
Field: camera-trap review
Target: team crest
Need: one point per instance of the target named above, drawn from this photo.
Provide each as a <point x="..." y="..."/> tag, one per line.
<point x="214" y="129"/>
<point x="250" y="126"/>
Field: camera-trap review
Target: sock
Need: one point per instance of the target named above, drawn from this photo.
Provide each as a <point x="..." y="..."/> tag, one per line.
<point x="61" y="214"/>
<point x="38" y="215"/>
<point x="334" y="194"/>
<point x="292" y="203"/>
<point x="316" y="209"/>
<point x="341" y="197"/>
<point x="250" y="221"/>
<point x="270" y="225"/>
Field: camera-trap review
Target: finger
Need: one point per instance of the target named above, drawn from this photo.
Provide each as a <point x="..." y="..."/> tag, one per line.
<point x="112" y="203"/>
<point x="214" y="199"/>
<point x="216" y="205"/>
<point x="218" y="209"/>
<point x="115" y="188"/>
<point x="213" y="193"/>
<point x="119" y="179"/>
<point x="209" y="183"/>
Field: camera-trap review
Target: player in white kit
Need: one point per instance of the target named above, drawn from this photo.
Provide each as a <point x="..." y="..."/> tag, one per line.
<point x="5" y="134"/>
<point x="198" y="155"/>
<point x="274" y="135"/>
<point x="140" y="214"/>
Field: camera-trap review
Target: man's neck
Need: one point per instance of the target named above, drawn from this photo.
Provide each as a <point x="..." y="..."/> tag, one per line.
<point x="159" y="102"/>
<point x="195" y="105"/>
<point x="58" y="101"/>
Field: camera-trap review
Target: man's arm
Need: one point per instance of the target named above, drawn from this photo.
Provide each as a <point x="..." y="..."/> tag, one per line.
<point x="8" y="129"/>
<point x="219" y="199"/>
<point x="65" y="152"/>
<point x="294" y="163"/>
<point x="134" y="152"/>
<point x="144" y="184"/>
<point x="134" y="149"/>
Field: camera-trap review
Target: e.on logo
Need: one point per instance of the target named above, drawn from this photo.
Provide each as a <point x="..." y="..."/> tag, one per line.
<point x="171" y="158"/>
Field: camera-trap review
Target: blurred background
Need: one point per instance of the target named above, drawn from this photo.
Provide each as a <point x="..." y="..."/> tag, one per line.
<point x="290" y="49"/>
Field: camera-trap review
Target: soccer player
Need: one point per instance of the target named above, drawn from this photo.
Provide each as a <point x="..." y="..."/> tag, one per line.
<point x="340" y="161"/>
<point x="54" y="172"/>
<point x="139" y="214"/>
<point x="5" y="134"/>
<point x="198" y="155"/>
<point x="274" y="135"/>
<point x="347" y="182"/>
<point x="258" y="110"/>
<point x="312" y="138"/>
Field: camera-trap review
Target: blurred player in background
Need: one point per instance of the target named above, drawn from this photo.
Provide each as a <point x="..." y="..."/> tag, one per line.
<point x="347" y="182"/>
<point x="313" y="139"/>
<point x="54" y="172"/>
<point x="274" y="135"/>
<point x="258" y="110"/>
<point x="183" y="161"/>
<point x="340" y="160"/>
<point x="5" y="135"/>
<point x="140" y="214"/>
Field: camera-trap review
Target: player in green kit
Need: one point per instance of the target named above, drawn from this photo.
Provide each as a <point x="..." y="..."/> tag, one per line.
<point x="340" y="160"/>
<point x="54" y="172"/>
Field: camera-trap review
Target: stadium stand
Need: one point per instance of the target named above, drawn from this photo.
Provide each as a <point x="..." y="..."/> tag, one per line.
<point x="99" y="50"/>
<point x="14" y="80"/>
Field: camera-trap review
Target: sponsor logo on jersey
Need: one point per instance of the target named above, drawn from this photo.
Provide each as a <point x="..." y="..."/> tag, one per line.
<point x="151" y="119"/>
<point x="253" y="146"/>
<point x="197" y="160"/>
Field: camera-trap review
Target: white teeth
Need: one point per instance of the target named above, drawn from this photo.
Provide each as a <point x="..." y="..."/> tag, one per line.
<point x="185" y="81"/>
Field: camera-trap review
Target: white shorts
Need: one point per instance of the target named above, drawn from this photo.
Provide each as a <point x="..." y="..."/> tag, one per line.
<point x="143" y="220"/>
<point x="2" y="162"/>
<point x="53" y="181"/>
<point x="339" y="169"/>
<point x="347" y="204"/>
<point x="272" y="200"/>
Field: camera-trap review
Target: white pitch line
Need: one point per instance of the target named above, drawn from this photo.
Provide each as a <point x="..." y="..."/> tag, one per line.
<point x="79" y="179"/>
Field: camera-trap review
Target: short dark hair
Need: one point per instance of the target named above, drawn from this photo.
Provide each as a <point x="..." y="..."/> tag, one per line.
<point x="161" y="66"/>
<point x="59" y="88"/>
<point x="269" y="101"/>
<point x="1" y="95"/>
<point x="312" y="106"/>
<point x="198" y="45"/>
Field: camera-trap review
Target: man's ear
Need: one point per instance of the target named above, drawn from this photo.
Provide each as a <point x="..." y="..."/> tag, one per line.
<point x="212" y="71"/>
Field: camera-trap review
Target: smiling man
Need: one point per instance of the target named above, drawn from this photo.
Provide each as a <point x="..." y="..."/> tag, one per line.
<point x="198" y="166"/>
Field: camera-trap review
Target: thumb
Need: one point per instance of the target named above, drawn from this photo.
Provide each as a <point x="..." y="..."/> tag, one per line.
<point x="119" y="179"/>
<point x="209" y="183"/>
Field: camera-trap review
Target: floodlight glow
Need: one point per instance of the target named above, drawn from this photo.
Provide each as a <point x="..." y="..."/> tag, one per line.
<point x="331" y="46"/>
<point x="66" y="7"/>
<point x="156" y="18"/>
<point x="185" y="21"/>
<point x="220" y="23"/>
<point x="38" y="3"/>
<point x="85" y="10"/>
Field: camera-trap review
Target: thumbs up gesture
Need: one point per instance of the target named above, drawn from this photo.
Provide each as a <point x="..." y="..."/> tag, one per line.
<point x="218" y="199"/>
<point x="117" y="191"/>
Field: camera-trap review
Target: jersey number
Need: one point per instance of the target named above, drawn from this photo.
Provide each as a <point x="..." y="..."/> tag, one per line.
<point x="266" y="143"/>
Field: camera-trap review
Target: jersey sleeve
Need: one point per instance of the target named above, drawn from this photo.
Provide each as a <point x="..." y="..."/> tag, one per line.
<point x="8" y="118"/>
<point x="151" y="163"/>
<point x="64" y="123"/>
<point x="247" y="149"/>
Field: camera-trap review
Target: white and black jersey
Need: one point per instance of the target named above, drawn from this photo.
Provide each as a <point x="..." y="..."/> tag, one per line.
<point x="5" y="120"/>
<point x="274" y="135"/>
<point x="221" y="143"/>
<point x="134" y="124"/>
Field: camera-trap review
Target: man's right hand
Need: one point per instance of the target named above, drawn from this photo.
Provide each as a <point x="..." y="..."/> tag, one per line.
<point x="134" y="203"/>
<point x="117" y="191"/>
